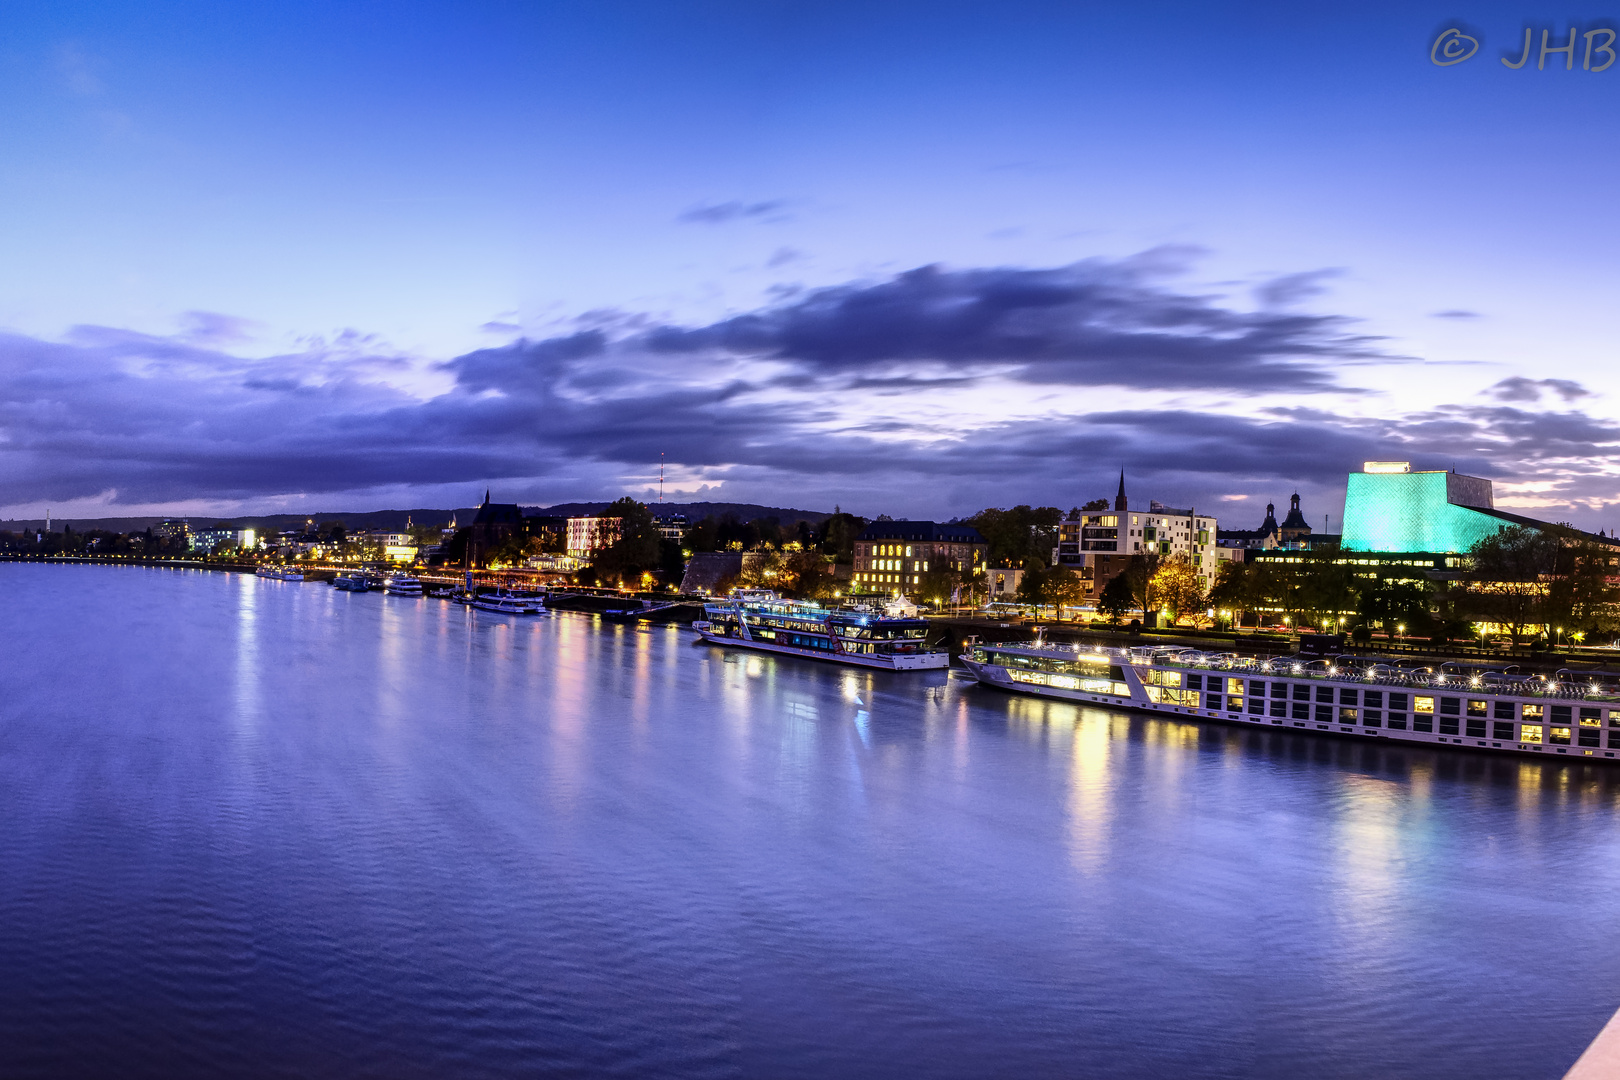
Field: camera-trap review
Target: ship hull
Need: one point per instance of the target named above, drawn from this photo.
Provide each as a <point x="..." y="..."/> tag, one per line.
<point x="926" y="661"/>
<point x="1001" y="678"/>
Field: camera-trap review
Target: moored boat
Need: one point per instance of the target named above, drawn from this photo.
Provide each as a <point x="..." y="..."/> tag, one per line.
<point x="402" y="585"/>
<point x="1493" y="711"/>
<point x="351" y="583"/>
<point x="507" y="604"/>
<point x="758" y="619"/>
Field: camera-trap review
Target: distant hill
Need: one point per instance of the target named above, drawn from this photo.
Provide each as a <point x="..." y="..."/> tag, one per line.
<point x="694" y="512"/>
<point x="394" y="520"/>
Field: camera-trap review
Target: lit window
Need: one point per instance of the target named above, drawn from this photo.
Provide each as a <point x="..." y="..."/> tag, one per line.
<point x="1532" y="712"/>
<point x="1558" y="735"/>
<point x="1530" y="733"/>
<point x="1423" y="704"/>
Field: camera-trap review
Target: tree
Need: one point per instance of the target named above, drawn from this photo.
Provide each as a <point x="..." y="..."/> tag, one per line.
<point x="1583" y="595"/>
<point x="637" y="547"/>
<point x="1394" y="602"/>
<point x="837" y="536"/>
<point x="1511" y="568"/>
<point x="703" y="536"/>
<point x="1022" y="537"/>
<point x="1095" y="504"/>
<point x="1064" y="586"/>
<point x="1116" y="600"/>
<point x="939" y="585"/>
<point x="1234" y="588"/>
<point x="1176" y="585"/>
<point x="1032" y="588"/>
<point x="1138" y="574"/>
<point x="807" y="572"/>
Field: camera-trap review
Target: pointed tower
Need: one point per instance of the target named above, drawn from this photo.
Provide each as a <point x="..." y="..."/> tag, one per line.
<point x="1119" y="500"/>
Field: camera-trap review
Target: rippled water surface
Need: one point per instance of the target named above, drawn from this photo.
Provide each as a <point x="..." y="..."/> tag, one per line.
<point x="261" y="828"/>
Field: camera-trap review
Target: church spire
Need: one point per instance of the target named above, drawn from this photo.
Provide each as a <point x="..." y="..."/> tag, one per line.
<point x="486" y="496"/>
<point x="1119" y="500"/>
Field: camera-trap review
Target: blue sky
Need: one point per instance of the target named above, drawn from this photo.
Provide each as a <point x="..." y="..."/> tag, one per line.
<point x="349" y="256"/>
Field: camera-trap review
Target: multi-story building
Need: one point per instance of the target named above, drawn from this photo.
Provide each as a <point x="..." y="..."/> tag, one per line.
<point x="672" y="527"/>
<point x="587" y="535"/>
<point x="211" y="540"/>
<point x="1099" y="544"/>
<point x="892" y="556"/>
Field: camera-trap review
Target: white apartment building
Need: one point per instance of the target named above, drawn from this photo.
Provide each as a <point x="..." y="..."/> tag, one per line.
<point x="1099" y="544"/>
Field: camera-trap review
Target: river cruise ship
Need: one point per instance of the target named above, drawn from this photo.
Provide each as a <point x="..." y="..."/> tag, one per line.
<point x="759" y="619"/>
<point x="1493" y="711"/>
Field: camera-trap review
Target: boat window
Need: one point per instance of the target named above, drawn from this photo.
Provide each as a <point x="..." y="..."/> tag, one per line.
<point x="1504" y="711"/>
<point x="1421" y="704"/>
<point x="1532" y="712"/>
<point x="1530" y="733"/>
<point x="1476" y="708"/>
<point x="1450" y="706"/>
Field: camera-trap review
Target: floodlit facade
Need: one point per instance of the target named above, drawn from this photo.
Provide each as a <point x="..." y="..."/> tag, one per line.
<point x="1388" y="507"/>
<point x="892" y="556"/>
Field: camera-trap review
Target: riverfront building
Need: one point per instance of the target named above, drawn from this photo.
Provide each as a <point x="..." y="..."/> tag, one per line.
<point x="892" y="556"/>
<point x="1390" y="508"/>
<point x="1099" y="544"/>
<point x="588" y="535"/>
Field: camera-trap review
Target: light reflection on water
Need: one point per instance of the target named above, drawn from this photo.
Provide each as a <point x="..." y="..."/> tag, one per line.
<point x="265" y="828"/>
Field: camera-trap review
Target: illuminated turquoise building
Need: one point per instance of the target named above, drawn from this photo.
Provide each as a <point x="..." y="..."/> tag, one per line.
<point x="1388" y="507"/>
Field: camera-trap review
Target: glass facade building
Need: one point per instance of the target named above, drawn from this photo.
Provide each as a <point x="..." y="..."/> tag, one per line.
<point x="1389" y="508"/>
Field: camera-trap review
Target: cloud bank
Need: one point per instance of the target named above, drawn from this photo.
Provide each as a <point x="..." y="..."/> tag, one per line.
<point x="931" y="392"/>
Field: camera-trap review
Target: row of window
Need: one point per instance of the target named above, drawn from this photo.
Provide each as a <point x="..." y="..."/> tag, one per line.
<point x="1473" y="718"/>
<point x="887" y="579"/>
<point x="1585" y="715"/>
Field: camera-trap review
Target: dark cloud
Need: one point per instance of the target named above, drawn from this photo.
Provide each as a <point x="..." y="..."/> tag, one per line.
<point x="1457" y="313"/>
<point x="735" y="210"/>
<point x="1291" y="289"/>
<point x="1519" y="388"/>
<point x="159" y="419"/>
<point x="1094" y="323"/>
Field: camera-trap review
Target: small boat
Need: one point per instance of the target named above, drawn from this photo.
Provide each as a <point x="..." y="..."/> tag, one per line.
<point x="400" y="585"/>
<point x="351" y="583"/>
<point x="506" y="604"/>
<point x="278" y="573"/>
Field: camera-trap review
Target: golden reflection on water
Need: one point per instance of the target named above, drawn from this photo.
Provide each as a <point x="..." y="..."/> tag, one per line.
<point x="1371" y="831"/>
<point x="248" y="694"/>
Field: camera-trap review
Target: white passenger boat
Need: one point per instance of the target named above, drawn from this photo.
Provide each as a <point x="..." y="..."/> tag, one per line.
<point x="1497" y="712"/>
<point x="758" y="619"/>
<point x="506" y="604"/>
<point x="402" y="585"/>
<point x="278" y="573"/>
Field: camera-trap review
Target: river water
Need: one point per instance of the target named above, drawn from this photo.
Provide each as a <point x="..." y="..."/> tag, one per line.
<point x="260" y="828"/>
